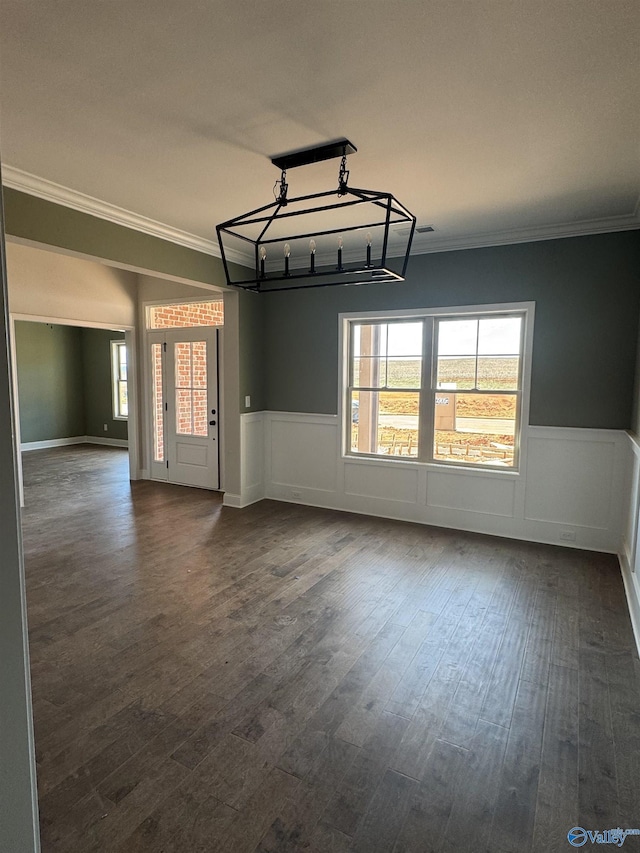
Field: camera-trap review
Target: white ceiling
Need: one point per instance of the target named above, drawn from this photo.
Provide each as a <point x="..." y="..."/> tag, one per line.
<point x="493" y="120"/>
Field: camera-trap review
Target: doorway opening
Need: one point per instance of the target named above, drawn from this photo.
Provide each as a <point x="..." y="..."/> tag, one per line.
<point x="64" y="381"/>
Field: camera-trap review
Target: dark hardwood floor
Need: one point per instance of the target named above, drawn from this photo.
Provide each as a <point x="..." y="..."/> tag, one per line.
<point x="282" y="679"/>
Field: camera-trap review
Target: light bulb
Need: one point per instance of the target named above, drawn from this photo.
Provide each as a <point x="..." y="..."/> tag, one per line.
<point x="287" y="250"/>
<point x="339" y="242"/>
<point x="368" y="238"/>
<point x="263" y="252"/>
<point x="312" y="246"/>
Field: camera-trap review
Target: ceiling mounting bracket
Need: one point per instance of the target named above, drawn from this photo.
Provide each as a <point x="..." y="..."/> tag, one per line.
<point x="316" y="154"/>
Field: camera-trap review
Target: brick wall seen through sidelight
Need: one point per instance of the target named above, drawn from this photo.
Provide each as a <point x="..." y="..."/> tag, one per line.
<point x="158" y="423"/>
<point x="186" y="315"/>
<point x="191" y="388"/>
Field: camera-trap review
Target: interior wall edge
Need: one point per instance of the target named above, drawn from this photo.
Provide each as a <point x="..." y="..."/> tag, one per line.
<point x="632" y="592"/>
<point x="18" y="785"/>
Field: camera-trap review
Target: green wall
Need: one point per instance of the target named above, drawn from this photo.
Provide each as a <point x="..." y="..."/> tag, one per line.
<point x="98" y="403"/>
<point x="251" y="335"/>
<point x="54" y="225"/>
<point x="50" y="224"/>
<point x="587" y="295"/>
<point x="64" y="382"/>
<point x="50" y="381"/>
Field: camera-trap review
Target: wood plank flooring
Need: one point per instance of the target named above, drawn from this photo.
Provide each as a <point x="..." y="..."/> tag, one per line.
<point x="281" y="678"/>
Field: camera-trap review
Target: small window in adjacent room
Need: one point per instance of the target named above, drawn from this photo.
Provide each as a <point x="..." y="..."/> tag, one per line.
<point x="437" y="387"/>
<point x="119" y="380"/>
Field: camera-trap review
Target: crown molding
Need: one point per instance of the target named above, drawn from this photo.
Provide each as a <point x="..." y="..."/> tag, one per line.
<point x="25" y="182"/>
<point x="422" y="244"/>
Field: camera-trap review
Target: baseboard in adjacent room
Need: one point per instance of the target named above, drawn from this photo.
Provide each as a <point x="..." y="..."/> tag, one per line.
<point x="76" y="439"/>
<point x="52" y="442"/>
<point x="109" y="442"/>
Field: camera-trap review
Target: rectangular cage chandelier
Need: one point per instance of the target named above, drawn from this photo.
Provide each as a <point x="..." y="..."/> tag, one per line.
<point x="341" y="236"/>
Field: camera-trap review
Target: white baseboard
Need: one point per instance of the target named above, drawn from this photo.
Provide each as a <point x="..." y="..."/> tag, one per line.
<point x="240" y="501"/>
<point x="76" y="439"/>
<point x="632" y="590"/>
<point x="109" y="442"/>
<point x="52" y="442"/>
<point x="252" y="494"/>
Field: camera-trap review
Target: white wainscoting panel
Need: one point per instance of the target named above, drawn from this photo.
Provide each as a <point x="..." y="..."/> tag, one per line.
<point x="252" y="462"/>
<point x="303" y="453"/>
<point x="570" y="490"/>
<point x="472" y="491"/>
<point x="571" y="480"/>
<point x="392" y="483"/>
<point x="252" y="444"/>
<point x="630" y="547"/>
<point x="630" y="531"/>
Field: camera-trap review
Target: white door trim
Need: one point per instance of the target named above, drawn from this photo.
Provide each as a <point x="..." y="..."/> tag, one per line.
<point x="158" y="470"/>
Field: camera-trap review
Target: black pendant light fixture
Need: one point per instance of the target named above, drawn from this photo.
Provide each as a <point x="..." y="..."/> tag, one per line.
<point x="341" y="236"/>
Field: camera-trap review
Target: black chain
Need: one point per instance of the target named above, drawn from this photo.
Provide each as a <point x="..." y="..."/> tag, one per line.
<point x="343" y="176"/>
<point x="284" y="187"/>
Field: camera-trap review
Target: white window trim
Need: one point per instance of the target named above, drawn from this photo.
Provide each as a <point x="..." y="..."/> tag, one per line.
<point x="344" y="321"/>
<point x="115" y="344"/>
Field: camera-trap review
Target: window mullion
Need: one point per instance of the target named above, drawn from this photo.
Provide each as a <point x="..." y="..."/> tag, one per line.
<point x="475" y="379"/>
<point x="426" y="417"/>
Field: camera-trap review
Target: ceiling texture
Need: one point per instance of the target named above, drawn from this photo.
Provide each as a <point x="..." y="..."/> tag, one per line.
<point x="494" y="121"/>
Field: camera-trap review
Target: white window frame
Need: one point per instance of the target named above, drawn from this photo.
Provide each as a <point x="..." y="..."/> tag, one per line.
<point x="115" y="379"/>
<point x="526" y="309"/>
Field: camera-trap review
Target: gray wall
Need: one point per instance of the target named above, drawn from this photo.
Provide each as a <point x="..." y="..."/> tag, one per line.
<point x="50" y="381"/>
<point x="18" y="796"/>
<point x="51" y="224"/>
<point x="96" y="365"/>
<point x="251" y="335"/>
<point x="64" y="382"/>
<point x="587" y="295"/>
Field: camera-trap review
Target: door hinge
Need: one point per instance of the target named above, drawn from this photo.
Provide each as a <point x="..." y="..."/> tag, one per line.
<point x="165" y="346"/>
<point x="166" y="407"/>
<point x="167" y="463"/>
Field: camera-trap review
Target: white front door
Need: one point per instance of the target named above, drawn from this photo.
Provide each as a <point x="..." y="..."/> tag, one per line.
<point x="184" y="378"/>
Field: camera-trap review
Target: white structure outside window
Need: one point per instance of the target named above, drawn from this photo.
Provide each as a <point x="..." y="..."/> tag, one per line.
<point x="119" y="380"/>
<point x="447" y="386"/>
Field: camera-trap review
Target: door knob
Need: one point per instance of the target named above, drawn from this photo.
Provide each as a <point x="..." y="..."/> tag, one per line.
<point x="212" y="423"/>
<point x="213" y="411"/>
